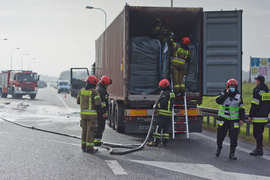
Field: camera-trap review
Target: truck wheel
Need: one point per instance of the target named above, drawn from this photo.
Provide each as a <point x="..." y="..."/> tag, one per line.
<point x="14" y="96"/>
<point x="19" y="96"/>
<point x="119" y="118"/>
<point x="32" y="96"/>
<point x="110" y="116"/>
<point x="3" y="95"/>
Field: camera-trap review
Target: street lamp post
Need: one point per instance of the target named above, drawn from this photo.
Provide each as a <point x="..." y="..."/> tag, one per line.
<point x="11" y="57"/>
<point x="30" y="62"/>
<point x="22" y="61"/>
<point x="90" y="7"/>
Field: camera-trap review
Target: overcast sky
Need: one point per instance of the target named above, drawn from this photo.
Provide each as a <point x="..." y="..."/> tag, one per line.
<point x="59" y="34"/>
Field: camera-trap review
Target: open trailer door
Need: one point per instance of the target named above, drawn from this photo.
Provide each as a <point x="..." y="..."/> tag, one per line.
<point x="222" y="50"/>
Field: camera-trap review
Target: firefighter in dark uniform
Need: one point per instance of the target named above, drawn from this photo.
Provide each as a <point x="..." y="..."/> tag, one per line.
<point x="164" y="117"/>
<point x="258" y="113"/>
<point x="162" y="30"/>
<point x="181" y="55"/>
<point x="102" y="86"/>
<point x="230" y="116"/>
<point x="90" y="103"/>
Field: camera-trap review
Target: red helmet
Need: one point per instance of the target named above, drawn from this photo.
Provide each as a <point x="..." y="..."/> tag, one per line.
<point x="164" y="83"/>
<point x="185" y="40"/>
<point x="105" y="80"/>
<point x="231" y="82"/>
<point x="92" y="79"/>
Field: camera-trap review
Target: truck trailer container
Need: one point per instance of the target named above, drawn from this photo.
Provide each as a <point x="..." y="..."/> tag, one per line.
<point x="129" y="53"/>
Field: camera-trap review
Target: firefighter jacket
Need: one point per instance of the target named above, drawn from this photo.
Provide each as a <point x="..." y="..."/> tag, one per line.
<point x="231" y="107"/>
<point x="90" y="102"/>
<point x="103" y="96"/>
<point x="166" y="102"/>
<point x="180" y="54"/>
<point x="260" y="104"/>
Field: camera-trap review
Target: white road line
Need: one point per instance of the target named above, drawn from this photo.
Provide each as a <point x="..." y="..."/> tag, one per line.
<point x="227" y="144"/>
<point x="201" y="170"/>
<point x="62" y="101"/>
<point x="4" y="132"/>
<point x="116" y="168"/>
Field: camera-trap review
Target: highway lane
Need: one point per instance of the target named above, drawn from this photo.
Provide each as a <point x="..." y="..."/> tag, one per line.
<point x="27" y="153"/>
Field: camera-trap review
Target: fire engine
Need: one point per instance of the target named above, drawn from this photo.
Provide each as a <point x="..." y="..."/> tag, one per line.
<point x="18" y="83"/>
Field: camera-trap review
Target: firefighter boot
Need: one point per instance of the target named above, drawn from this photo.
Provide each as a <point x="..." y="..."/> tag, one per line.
<point x="218" y="151"/>
<point x="257" y="152"/>
<point x="152" y="144"/>
<point x="97" y="142"/>
<point x="232" y="154"/>
<point x="92" y="150"/>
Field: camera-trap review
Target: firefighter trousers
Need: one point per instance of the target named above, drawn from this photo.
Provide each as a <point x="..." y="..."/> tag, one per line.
<point x="178" y="73"/>
<point x="162" y="123"/>
<point x="100" y="127"/>
<point x="88" y="131"/>
<point x="233" y="134"/>
<point x="258" y="129"/>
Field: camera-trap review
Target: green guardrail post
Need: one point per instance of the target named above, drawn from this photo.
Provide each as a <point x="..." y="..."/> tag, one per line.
<point x="248" y="129"/>
<point x="215" y="121"/>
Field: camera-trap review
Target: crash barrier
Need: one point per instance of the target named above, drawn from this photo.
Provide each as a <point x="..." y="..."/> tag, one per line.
<point x="210" y="112"/>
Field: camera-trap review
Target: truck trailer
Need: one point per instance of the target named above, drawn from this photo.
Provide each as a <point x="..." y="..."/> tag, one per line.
<point x="129" y="53"/>
<point x="18" y="83"/>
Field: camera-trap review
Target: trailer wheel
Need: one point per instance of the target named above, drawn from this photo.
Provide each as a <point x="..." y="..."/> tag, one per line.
<point x="119" y="118"/>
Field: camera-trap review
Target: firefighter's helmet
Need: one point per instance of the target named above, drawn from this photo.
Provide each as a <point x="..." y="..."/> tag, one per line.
<point x="92" y="79"/>
<point x="105" y="80"/>
<point x="185" y="40"/>
<point x="231" y="82"/>
<point x="164" y="83"/>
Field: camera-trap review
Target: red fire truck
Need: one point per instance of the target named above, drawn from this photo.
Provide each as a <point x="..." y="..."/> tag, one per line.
<point x="18" y="83"/>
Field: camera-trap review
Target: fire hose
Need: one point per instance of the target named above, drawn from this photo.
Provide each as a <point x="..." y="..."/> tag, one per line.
<point x="107" y="145"/>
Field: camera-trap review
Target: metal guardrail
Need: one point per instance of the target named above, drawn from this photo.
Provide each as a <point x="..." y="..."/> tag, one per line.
<point x="210" y="112"/>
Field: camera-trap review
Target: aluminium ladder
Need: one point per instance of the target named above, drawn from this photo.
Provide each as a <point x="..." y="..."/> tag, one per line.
<point x="185" y="122"/>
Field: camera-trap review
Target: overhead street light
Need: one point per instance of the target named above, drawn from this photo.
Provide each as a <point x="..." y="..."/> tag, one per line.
<point x="30" y="63"/>
<point x="11" y="57"/>
<point x="22" y="60"/>
<point x="90" y="7"/>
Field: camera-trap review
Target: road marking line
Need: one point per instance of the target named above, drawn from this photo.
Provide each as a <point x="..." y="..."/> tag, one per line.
<point x="228" y="144"/>
<point x="62" y="101"/>
<point x="201" y="170"/>
<point x="4" y="132"/>
<point x="116" y="167"/>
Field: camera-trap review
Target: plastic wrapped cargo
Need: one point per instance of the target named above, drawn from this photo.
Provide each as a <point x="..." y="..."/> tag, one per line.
<point x="192" y="71"/>
<point x="144" y="65"/>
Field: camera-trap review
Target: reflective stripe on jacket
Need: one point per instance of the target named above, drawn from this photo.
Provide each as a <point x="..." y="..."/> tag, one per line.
<point x="89" y="101"/>
<point x="230" y="107"/>
<point x="260" y="104"/>
<point x="166" y="103"/>
<point x="180" y="55"/>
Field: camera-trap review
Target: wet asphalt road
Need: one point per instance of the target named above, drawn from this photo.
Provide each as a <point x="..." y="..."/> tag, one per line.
<point x="32" y="154"/>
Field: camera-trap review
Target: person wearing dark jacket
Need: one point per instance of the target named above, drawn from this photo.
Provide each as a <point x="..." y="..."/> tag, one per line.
<point x="164" y="117"/>
<point x="258" y="113"/>
<point x="230" y="116"/>
<point x="102" y="86"/>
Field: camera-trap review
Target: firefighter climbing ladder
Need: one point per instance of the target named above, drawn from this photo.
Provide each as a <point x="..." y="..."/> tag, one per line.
<point x="185" y="122"/>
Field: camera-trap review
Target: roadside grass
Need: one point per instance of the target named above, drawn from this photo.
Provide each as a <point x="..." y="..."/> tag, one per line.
<point x="247" y="90"/>
<point x="242" y="135"/>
